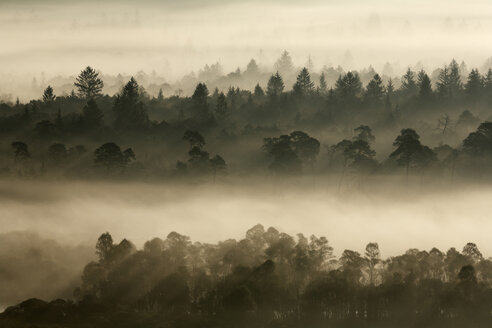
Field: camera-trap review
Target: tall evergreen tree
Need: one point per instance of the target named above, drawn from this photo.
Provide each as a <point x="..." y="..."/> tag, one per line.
<point x="487" y="82"/>
<point x="348" y="88"/>
<point x="48" y="95"/>
<point x="408" y="84"/>
<point x="303" y="86"/>
<point x="425" y="86"/>
<point x="474" y="85"/>
<point x="259" y="91"/>
<point x="449" y="85"/>
<point x="275" y="85"/>
<point x="221" y="108"/>
<point x="323" y="87"/>
<point x="200" y="96"/>
<point x="374" y="91"/>
<point x="160" y="95"/>
<point x="129" y="109"/>
<point x="88" y="83"/>
<point x="252" y="67"/>
<point x="284" y="64"/>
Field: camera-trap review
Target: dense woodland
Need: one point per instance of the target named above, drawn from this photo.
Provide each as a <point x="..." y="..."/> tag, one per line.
<point x="419" y="125"/>
<point x="268" y="279"/>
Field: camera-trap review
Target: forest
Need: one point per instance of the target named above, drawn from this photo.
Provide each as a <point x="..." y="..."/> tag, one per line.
<point x="268" y="279"/>
<point x="348" y="125"/>
<point x="291" y="127"/>
<point x="226" y="163"/>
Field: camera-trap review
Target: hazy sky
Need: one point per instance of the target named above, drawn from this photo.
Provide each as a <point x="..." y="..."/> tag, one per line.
<point x="175" y="38"/>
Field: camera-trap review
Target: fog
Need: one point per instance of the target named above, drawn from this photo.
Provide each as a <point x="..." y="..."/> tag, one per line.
<point x="50" y="220"/>
<point x="49" y="229"/>
<point x="75" y="213"/>
<point x="43" y="40"/>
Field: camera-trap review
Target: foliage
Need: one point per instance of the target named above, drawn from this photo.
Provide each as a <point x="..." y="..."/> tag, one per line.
<point x="268" y="277"/>
<point x="88" y="83"/>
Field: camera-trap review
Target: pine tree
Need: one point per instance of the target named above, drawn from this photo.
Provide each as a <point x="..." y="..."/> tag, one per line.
<point x="454" y="77"/>
<point x="487" y="81"/>
<point x="48" y="95"/>
<point x="258" y="91"/>
<point x="443" y="83"/>
<point x="200" y="96"/>
<point x="449" y="85"/>
<point x="275" y="85"/>
<point x="129" y="109"/>
<point x="390" y="90"/>
<point x="89" y="84"/>
<point x="160" y="95"/>
<point x="348" y="88"/>
<point x="425" y="86"/>
<point x="304" y="86"/>
<point x="374" y="91"/>
<point x="474" y="85"/>
<point x="252" y="67"/>
<point x="323" y="87"/>
<point x="221" y="108"/>
<point x="284" y="64"/>
<point x="408" y="84"/>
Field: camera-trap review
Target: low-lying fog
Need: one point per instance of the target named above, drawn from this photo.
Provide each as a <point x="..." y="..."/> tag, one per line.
<point x="49" y="229"/>
<point x="44" y="39"/>
<point x="77" y="212"/>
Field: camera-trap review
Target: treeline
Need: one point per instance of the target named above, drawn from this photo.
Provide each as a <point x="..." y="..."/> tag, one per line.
<point x="293" y="154"/>
<point x="269" y="279"/>
<point x="236" y="124"/>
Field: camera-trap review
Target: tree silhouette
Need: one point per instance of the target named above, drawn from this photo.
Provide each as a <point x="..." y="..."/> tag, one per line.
<point x="408" y="84"/>
<point x="88" y="83"/>
<point x="130" y="111"/>
<point x="221" y="108"/>
<point x="474" y="85"/>
<point x="410" y="151"/>
<point x="364" y="133"/>
<point x="285" y="160"/>
<point x="268" y="276"/>
<point x="479" y="143"/>
<point x="200" y="97"/>
<point x="374" y="91"/>
<point x="425" y="86"/>
<point x="303" y="86"/>
<point x="348" y="88"/>
<point x="194" y="138"/>
<point x="470" y="250"/>
<point x="258" y="92"/>
<point x="92" y="115"/>
<point x="323" y="87"/>
<point x="160" y="95"/>
<point x="252" y="67"/>
<point x="110" y="156"/>
<point x="199" y="159"/>
<point x="21" y="151"/>
<point x="275" y="86"/>
<point x="290" y="151"/>
<point x="104" y="247"/>
<point x="372" y="257"/>
<point x="449" y="85"/>
<point x="48" y="95"/>
<point x="284" y="64"/>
